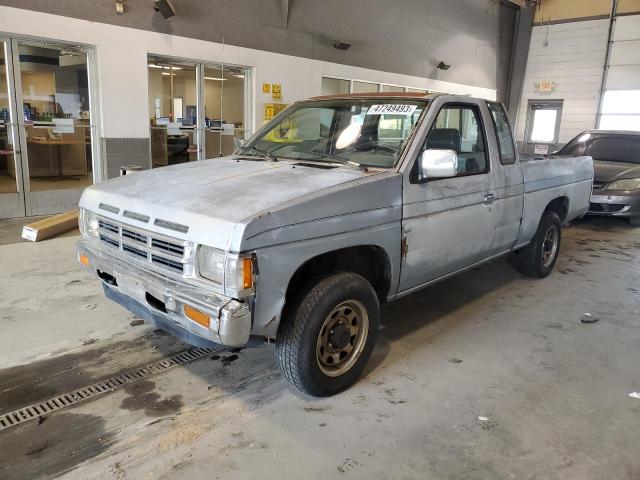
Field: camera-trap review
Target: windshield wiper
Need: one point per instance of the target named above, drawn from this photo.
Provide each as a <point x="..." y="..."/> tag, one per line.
<point x="256" y="152"/>
<point x="341" y="160"/>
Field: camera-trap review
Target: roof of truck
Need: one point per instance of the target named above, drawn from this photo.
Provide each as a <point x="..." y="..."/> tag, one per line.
<point x="407" y="95"/>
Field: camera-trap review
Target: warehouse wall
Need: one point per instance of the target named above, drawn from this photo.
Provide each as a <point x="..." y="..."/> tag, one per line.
<point x="573" y="60"/>
<point x="405" y="36"/>
<point x="121" y="56"/>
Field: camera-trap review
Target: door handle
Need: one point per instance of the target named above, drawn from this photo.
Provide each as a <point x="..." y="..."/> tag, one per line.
<point x="489" y="198"/>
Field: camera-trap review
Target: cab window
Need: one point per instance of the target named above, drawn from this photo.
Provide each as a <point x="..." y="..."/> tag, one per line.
<point x="458" y="128"/>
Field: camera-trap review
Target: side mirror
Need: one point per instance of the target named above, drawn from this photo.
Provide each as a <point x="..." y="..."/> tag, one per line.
<point x="238" y="142"/>
<point x="435" y="163"/>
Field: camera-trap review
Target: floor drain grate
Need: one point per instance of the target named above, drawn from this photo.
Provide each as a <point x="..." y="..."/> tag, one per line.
<point x="34" y="411"/>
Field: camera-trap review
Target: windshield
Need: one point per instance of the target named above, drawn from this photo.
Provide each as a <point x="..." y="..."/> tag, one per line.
<point x="368" y="132"/>
<point x="610" y="148"/>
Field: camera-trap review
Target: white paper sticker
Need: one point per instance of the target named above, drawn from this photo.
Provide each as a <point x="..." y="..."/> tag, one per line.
<point x="541" y="149"/>
<point x="63" y="125"/>
<point x="391" y="108"/>
<point x="29" y="233"/>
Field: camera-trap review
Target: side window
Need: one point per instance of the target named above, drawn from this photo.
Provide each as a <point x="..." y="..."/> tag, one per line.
<point x="458" y="128"/>
<point x="503" y="133"/>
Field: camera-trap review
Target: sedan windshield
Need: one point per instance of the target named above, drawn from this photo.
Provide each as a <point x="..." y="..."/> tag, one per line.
<point x="603" y="146"/>
<point x="368" y="132"/>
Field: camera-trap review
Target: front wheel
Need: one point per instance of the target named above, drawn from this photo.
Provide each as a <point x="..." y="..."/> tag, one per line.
<point x="538" y="258"/>
<point x="327" y="335"/>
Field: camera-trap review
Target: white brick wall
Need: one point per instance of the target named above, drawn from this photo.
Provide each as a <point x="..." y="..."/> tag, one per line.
<point x="574" y="61"/>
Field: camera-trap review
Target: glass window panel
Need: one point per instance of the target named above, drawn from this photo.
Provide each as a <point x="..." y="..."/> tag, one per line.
<point x="334" y="86"/>
<point x="416" y="90"/>
<point x="7" y="159"/>
<point x="172" y="106"/>
<point x="503" y="132"/>
<point x="620" y="122"/>
<point x="544" y="125"/>
<point x="457" y="128"/>
<point x="392" y="88"/>
<point x="223" y="109"/>
<point x="365" y="87"/>
<point x="621" y="101"/>
<point x="55" y="93"/>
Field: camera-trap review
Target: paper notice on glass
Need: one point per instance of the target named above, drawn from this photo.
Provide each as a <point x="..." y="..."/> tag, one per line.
<point x="227" y="129"/>
<point x="391" y="109"/>
<point x="541" y="149"/>
<point x="63" y="125"/>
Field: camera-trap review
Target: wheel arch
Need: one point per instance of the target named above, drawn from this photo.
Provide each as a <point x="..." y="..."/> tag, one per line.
<point x="559" y="206"/>
<point x="371" y="261"/>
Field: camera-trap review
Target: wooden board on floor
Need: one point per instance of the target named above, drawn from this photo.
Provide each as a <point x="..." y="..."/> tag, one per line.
<point x="51" y="226"/>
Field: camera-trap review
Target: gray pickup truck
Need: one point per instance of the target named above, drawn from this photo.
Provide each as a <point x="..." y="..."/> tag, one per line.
<point x="336" y="206"/>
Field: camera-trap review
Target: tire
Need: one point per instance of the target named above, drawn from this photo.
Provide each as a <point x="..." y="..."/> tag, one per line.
<point x="539" y="257"/>
<point x="635" y="221"/>
<point x="320" y="327"/>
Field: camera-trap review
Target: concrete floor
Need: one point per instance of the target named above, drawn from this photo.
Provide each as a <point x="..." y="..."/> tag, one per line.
<point x="489" y="375"/>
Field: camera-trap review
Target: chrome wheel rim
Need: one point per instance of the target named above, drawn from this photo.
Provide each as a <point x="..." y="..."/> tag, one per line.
<point x="549" y="246"/>
<point x="342" y="338"/>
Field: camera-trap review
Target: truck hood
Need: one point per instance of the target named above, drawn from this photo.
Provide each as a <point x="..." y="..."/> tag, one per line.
<point x="206" y="201"/>
<point x="607" y="172"/>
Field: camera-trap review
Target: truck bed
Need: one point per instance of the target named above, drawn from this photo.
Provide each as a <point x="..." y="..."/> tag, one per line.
<point x="549" y="178"/>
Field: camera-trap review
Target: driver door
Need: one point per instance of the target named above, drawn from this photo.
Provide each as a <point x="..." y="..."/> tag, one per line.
<point x="448" y="223"/>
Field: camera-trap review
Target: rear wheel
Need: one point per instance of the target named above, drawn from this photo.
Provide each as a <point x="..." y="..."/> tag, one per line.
<point x="327" y="335"/>
<point x="539" y="257"/>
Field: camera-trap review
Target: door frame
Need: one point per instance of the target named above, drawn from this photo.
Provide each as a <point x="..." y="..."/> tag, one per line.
<point x="16" y="205"/>
<point x="539" y="104"/>
<point x="200" y="73"/>
<point x="16" y="102"/>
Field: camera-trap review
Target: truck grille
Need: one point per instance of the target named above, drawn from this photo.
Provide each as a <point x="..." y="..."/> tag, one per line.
<point x="168" y="253"/>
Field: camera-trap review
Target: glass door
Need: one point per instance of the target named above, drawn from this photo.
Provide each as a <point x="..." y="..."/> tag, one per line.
<point x="11" y="194"/>
<point x="53" y="98"/>
<point x="173" y="111"/>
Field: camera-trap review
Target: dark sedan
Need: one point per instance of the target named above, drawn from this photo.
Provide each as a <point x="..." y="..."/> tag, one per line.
<point x="616" y="165"/>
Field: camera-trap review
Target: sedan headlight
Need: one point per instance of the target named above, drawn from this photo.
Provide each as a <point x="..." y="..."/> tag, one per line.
<point x="234" y="272"/>
<point x="627" y="184"/>
<point x="89" y="224"/>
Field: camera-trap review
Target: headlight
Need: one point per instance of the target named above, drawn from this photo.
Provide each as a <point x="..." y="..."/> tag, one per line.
<point x="89" y="224"/>
<point x="234" y="272"/>
<point x="628" y="184"/>
<point x="211" y="264"/>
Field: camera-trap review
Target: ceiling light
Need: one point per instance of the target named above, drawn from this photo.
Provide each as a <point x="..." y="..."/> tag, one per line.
<point x="215" y="78"/>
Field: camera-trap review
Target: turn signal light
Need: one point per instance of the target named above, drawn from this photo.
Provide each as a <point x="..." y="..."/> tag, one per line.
<point x="83" y="259"/>
<point x="247" y="273"/>
<point x="197" y="316"/>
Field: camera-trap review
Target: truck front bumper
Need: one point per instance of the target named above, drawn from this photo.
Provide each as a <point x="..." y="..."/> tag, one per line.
<point x="161" y="301"/>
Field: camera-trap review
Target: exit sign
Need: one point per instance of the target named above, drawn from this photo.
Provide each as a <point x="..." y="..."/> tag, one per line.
<point x="545" y="86"/>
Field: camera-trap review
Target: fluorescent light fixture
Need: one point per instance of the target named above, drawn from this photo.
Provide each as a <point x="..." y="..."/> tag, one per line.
<point x="215" y="78"/>
<point x="238" y="75"/>
<point x="152" y="65"/>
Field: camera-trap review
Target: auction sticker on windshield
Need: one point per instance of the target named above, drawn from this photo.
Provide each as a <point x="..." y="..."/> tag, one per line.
<point x="392" y="108"/>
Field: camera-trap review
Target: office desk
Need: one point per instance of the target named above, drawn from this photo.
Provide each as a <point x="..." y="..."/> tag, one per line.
<point x="58" y="144"/>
